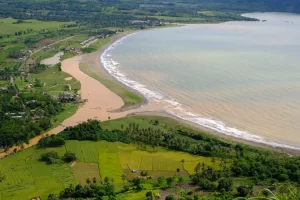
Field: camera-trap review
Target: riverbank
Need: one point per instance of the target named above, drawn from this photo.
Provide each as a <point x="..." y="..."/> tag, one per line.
<point x="100" y="101"/>
<point x="106" y="99"/>
<point x="91" y="66"/>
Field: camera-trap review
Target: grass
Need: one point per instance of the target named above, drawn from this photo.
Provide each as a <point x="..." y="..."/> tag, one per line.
<point x="138" y="195"/>
<point x="8" y="26"/>
<point x="53" y="81"/>
<point x="43" y="54"/>
<point x="109" y="163"/>
<point x="26" y="177"/>
<point x="82" y="171"/>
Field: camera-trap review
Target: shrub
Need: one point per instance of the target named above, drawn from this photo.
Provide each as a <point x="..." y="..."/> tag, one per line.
<point x="50" y="157"/>
<point x="69" y="157"/>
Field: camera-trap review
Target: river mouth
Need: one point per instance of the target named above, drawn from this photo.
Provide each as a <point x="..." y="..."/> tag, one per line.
<point x="237" y="78"/>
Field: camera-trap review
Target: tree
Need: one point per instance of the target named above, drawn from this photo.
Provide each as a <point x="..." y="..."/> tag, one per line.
<point x="196" y="197"/>
<point x="243" y="190"/>
<point x="38" y="83"/>
<point x="88" y="181"/>
<point x="225" y="183"/>
<point x="170" y="181"/>
<point x="161" y="180"/>
<point x="67" y="192"/>
<point x="50" y="157"/>
<point x="197" y="168"/>
<point x="106" y="180"/>
<point x="69" y="157"/>
<point x="126" y="188"/>
<point x="94" y="180"/>
<point x="149" y="195"/>
<point x="283" y="177"/>
<point x="52" y="197"/>
<point x="170" y="197"/>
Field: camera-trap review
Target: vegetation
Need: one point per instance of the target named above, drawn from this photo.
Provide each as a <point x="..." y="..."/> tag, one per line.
<point x="130" y="158"/>
<point x="24" y="115"/>
<point x="102" y="163"/>
<point x="129" y="97"/>
<point x="51" y="141"/>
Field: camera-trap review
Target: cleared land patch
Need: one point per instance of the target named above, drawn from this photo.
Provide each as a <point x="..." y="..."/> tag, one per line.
<point x="10" y="26"/>
<point x="83" y="171"/>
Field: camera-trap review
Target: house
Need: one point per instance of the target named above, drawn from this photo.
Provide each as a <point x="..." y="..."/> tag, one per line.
<point x="77" y="50"/>
<point x="37" y="117"/>
<point x="17" y="117"/>
<point x="135" y="171"/>
<point x="36" y="198"/>
<point x="31" y="101"/>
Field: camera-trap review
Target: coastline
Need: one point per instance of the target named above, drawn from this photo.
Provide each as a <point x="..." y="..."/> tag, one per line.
<point x="196" y="127"/>
<point x="113" y="106"/>
<point x="142" y="112"/>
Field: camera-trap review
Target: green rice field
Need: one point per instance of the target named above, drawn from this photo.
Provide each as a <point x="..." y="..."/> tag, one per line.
<point x="27" y="177"/>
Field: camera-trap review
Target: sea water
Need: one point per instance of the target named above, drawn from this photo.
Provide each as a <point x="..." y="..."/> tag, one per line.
<point x="238" y="78"/>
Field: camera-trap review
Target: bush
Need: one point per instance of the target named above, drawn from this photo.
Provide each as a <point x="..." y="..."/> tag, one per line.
<point x="225" y="183"/>
<point x="144" y="173"/>
<point x="170" y="197"/>
<point x="50" y="157"/>
<point x="69" y="157"/>
<point x="51" y="141"/>
<point x="243" y="190"/>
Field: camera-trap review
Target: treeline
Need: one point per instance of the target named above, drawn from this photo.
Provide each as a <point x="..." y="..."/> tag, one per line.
<point x="262" y="166"/>
<point x="177" y="140"/>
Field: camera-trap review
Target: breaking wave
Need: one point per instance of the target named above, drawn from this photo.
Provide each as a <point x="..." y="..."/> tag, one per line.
<point x="177" y="109"/>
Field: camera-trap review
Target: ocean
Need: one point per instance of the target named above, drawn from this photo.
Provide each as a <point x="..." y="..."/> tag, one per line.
<point x="241" y="79"/>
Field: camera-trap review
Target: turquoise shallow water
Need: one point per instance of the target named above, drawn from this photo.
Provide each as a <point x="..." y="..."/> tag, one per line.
<point x="239" y="78"/>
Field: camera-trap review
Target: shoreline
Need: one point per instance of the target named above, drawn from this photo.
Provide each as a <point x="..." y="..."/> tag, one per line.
<point x="95" y="70"/>
<point x="111" y="107"/>
<point x="196" y="127"/>
<point x="262" y="144"/>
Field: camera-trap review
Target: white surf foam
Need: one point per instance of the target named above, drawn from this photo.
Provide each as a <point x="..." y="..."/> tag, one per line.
<point x="175" y="108"/>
